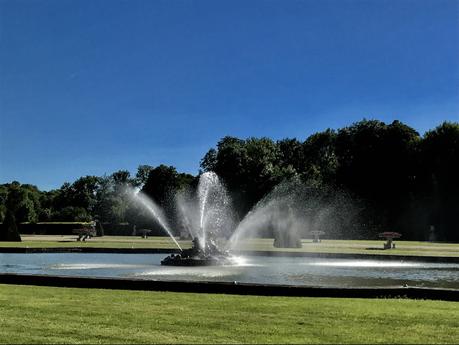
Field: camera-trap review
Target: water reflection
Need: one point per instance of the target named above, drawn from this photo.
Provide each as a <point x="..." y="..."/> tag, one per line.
<point x="365" y="263"/>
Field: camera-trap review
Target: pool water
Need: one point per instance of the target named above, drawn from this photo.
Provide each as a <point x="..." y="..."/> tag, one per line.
<point x="250" y="269"/>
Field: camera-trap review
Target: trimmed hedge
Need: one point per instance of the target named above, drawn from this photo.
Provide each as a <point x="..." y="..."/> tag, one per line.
<point x="66" y="228"/>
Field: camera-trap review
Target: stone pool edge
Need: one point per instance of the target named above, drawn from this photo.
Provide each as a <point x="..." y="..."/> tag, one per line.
<point x="233" y="288"/>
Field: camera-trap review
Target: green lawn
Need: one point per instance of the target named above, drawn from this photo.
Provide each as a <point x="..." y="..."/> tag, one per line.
<point x="30" y="314"/>
<point x="361" y="247"/>
<point x="326" y="246"/>
<point x="69" y="241"/>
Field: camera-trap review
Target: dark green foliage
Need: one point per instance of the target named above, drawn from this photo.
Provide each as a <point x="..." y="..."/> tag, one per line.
<point x="112" y="197"/>
<point x="23" y="201"/>
<point x="209" y="161"/>
<point x="72" y="214"/>
<point x="121" y="178"/>
<point x="3" y="198"/>
<point x="9" y="230"/>
<point x="164" y="181"/>
<point x="162" y="184"/>
<point x="291" y="154"/>
<point x="320" y="161"/>
<point x="440" y="179"/>
<point x="142" y="174"/>
<point x="250" y="168"/>
<point x="403" y="182"/>
<point x="377" y="162"/>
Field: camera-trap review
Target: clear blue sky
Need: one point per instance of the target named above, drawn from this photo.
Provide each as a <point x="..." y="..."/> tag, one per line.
<point x="88" y="87"/>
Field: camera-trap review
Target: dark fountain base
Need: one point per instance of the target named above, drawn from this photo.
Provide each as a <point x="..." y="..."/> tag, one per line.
<point x="178" y="260"/>
<point x="195" y="256"/>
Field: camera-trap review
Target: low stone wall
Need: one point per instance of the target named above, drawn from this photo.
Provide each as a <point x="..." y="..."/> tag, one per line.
<point x="229" y="288"/>
<point x="66" y="228"/>
<point x="22" y="250"/>
<point x="444" y="259"/>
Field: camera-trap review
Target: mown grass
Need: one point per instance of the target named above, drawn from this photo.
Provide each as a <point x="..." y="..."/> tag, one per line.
<point x="415" y="248"/>
<point x="69" y="241"/>
<point x="30" y="314"/>
<point x="326" y="246"/>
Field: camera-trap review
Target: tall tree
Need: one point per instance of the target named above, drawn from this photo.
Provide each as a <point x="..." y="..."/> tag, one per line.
<point x="439" y="151"/>
<point x="113" y="197"/>
<point x="320" y="162"/>
<point x="291" y="155"/>
<point x="3" y="198"/>
<point x="49" y="206"/>
<point x="141" y="176"/>
<point x="261" y="172"/>
<point x="161" y="183"/>
<point x="250" y="168"/>
<point x="9" y="230"/>
<point x="23" y="201"/>
<point x="209" y="161"/>
<point x="231" y="161"/>
<point x="376" y="161"/>
<point x="83" y="192"/>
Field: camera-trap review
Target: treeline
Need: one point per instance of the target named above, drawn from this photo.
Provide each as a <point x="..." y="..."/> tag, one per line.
<point x="405" y="182"/>
<point x="107" y="199"/>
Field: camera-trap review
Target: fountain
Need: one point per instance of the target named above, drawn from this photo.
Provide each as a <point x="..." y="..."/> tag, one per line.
<point x="295" y="210"/>
<point x="197" y="256"/>
<point x="207" y="216"/>
<point x="290" y="211"/>
<point x="276" y="212"/>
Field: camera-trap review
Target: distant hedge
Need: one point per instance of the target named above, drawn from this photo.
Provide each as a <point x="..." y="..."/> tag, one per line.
<point x="66" y="228"/>
<point x="48" y="228"/>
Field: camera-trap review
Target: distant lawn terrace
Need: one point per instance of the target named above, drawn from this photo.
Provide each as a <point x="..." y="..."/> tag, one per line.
<point x="368" y="247"/>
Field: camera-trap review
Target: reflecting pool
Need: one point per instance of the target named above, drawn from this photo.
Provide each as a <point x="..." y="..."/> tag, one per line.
<point x="249" y="269"/>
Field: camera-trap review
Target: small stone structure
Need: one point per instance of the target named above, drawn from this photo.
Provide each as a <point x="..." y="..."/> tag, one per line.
<point x="84" y="233"/>
<point x="389" y="236"/>
<point x="144" y="232"/>
<point x="316" y="235"/>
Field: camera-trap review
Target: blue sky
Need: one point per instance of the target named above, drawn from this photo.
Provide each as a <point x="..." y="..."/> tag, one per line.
<point x="88" y="87"/>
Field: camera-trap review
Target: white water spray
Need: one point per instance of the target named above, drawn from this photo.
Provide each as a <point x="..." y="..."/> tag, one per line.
<point x="155" y="211"/>
<point x="206" y="212"/>
<point x="205" y="183"/>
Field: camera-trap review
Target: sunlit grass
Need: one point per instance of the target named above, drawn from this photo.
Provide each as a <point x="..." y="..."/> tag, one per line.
<point x="359" y="247"/>
<point x="69" y="241"/>
<point x="31" y="314"/>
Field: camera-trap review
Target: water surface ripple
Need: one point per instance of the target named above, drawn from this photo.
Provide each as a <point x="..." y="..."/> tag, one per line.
<point x="251" y="269"/>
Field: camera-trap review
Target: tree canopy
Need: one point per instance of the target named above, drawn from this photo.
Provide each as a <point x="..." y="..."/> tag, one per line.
<point x="406" y="182"/>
